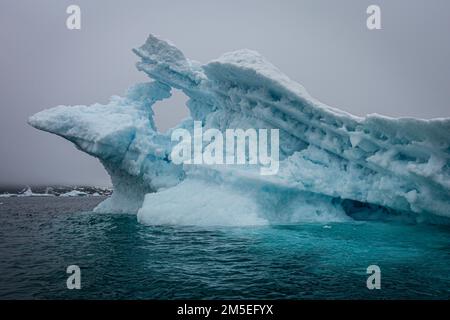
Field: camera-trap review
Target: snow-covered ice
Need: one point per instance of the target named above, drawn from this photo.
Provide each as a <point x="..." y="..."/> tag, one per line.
<point x="26" y="193"/>
<point x="74" y="193"/>
<point x="333" y="165"/>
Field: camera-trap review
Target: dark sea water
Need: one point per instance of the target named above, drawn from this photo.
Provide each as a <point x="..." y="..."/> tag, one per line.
<point x="122" y="259"/>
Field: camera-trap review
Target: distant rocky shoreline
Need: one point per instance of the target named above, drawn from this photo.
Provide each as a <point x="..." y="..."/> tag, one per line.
<point x="53" y="191"/>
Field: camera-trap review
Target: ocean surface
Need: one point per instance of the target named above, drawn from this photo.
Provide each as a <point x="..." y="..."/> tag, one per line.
<point x="122" y="259"/>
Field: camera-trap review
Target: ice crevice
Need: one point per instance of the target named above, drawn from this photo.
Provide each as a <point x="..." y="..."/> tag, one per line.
<point x="334" y="166"/>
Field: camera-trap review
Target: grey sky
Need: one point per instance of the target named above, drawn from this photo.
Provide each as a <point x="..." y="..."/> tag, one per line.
<point x="402" y="70"/>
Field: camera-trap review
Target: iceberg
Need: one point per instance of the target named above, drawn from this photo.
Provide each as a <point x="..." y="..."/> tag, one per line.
<point x="74" y="193"/>
<point x="29" y="193"/>
<point x="333" y="166"/>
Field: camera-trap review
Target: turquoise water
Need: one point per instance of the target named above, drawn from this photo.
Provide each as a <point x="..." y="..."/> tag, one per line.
<point x="122" y="259"/>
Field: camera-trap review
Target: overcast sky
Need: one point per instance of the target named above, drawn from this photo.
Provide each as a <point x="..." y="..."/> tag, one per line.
<point x="401" y="70"/>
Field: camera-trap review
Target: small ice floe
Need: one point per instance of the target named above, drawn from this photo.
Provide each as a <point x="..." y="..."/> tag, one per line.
<point x="74" y="193"/>
<point x="7" y="195"/>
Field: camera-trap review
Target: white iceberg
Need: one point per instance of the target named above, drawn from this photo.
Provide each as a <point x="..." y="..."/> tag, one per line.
<point x="333" y="165"/>
<point x="74" y="193"/>
<point x="26" y="193"/>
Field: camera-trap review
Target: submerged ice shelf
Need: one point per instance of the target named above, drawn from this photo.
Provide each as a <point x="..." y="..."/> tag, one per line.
<point x="333" y="165"/>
